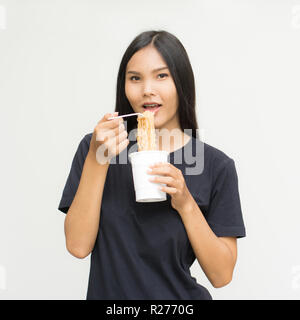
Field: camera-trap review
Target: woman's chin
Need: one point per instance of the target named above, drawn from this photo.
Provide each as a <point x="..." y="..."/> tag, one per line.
<point x="158" y="124"/>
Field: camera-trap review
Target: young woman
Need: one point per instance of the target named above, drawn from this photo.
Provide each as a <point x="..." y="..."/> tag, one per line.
<point x="145" y="250"/>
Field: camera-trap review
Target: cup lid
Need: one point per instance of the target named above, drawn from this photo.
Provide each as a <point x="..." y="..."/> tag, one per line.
<point x="147" y="152"/>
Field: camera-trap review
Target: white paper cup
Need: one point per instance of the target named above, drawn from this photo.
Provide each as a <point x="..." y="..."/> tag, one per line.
<point x="145" y="190"/>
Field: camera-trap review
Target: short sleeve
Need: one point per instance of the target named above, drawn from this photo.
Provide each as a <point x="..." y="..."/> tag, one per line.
<point x="225" y="215"/>
<point x="74" y="176"/>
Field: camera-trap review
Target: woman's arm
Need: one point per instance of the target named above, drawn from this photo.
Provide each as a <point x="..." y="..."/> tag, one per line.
<point x="216" y="255"/>
<point x="83" y="217"/>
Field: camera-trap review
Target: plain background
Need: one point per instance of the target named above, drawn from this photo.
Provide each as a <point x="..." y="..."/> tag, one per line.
<point x="58" y="70"/>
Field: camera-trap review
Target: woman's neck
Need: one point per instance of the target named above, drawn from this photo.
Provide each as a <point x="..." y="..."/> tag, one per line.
<point x="170" y="140"/>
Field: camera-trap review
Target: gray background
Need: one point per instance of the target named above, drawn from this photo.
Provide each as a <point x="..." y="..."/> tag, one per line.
<point x="58" y="68"/>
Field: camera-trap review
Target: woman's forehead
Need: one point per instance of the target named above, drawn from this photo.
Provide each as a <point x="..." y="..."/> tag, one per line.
<point x="147" y="58"/>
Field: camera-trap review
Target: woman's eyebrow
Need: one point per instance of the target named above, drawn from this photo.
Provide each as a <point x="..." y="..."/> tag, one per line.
<point x="155" y="70"/>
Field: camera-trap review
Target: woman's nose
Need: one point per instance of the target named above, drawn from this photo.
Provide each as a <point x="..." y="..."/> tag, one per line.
<point x="148" y="88"/>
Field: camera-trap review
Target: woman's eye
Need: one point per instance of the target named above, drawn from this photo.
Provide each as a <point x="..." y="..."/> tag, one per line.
<point x="133" y="77"/>
<point x="163" y="74"/>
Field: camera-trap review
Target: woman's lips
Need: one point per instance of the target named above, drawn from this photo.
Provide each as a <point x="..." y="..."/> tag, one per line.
<point x="155" y="109"/>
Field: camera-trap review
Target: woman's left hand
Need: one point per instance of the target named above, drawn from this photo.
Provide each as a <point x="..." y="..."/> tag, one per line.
<point x="175" y="184"/>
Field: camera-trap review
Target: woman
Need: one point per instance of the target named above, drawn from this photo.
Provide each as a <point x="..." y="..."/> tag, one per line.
<point x="145" y="250"/>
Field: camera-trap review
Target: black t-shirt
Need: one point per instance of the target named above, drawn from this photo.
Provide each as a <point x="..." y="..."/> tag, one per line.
<point x="142" y="250"/>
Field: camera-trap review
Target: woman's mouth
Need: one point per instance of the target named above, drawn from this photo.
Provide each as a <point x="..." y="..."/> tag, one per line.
<point x="153" y="107"/>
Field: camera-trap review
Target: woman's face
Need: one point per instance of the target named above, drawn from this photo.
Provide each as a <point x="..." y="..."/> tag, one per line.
<point x="144" y="84"/>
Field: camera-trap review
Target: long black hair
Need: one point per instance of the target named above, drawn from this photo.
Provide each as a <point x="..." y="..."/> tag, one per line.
<point x="179" y="65"/>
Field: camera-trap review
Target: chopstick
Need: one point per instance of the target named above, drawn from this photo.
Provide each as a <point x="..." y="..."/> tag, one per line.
<point x="126" y="115"/>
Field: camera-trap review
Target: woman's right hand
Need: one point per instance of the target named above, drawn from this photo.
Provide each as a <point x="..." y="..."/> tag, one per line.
<point x="109" y="139"/>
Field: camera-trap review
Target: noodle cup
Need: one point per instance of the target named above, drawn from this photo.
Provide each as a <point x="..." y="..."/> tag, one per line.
<point x="145" y="190"/>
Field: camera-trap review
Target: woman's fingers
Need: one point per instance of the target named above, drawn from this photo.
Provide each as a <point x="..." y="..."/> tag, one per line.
<point x="103" y="134"/>
<point x="109" y="138"/>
